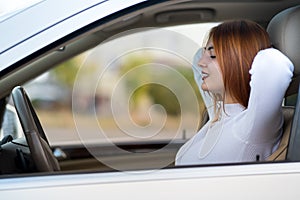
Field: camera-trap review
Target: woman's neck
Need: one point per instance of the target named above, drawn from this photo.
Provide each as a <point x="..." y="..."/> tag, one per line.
<point x="229" y="99"/>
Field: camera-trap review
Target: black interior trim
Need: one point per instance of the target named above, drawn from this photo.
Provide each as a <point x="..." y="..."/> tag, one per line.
<point x="80" y="151"/>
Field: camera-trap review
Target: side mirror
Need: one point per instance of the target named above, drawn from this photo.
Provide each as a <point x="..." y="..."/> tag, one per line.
<point x="11" y="125"/>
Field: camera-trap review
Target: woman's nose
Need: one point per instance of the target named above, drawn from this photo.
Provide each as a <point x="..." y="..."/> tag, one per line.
<point x="201" y="62"/>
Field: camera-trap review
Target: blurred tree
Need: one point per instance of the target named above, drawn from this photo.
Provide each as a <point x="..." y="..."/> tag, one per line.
<point x="165" y="97"/>
<point x="135" y="77"/>
<point x="159" y="94"/>
<point x="66" y="72"/>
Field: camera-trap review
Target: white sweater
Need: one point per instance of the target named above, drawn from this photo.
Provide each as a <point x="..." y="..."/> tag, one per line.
<point x="241" y="134"/>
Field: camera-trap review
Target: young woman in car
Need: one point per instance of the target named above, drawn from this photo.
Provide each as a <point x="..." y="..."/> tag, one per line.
<point x="242" y="81"/>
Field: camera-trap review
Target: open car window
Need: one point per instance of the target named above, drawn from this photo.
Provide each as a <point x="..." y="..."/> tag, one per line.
<point x="142" y="90"/>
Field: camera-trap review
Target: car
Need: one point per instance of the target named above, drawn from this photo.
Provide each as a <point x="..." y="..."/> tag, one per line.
<point x="118" y="74"/>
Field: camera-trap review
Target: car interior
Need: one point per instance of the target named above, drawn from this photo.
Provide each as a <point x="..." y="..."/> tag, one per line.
<point x="32" y="153"/>
<point x="281" y="27"/>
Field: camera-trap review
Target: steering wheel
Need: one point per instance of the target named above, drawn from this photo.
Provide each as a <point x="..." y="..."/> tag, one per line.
<point x="41" y="153"/>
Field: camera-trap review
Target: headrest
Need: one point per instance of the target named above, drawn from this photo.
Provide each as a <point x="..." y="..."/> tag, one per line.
<point x="284" y="31"/>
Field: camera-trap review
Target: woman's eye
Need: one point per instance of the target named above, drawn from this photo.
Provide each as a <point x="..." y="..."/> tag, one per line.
<point x="210" y="51"/>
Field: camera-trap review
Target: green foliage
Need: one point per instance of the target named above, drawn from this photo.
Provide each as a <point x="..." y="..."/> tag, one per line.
<point x="134" y="78"/>
<point x="159" y="94"/>
<point x="163" y="96"/>
<point x="66" y="72"/>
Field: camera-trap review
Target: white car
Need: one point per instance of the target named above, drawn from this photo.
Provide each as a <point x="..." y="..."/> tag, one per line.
<point x="122" y="71"/>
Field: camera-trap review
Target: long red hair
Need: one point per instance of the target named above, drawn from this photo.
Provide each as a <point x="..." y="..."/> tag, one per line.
<point x="236" y="43"/>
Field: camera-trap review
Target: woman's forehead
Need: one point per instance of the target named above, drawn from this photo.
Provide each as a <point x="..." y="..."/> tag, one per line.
<point x="209" y="43"/>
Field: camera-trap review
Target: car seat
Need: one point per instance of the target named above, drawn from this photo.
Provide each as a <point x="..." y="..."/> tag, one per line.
<point x="284" y="31"/>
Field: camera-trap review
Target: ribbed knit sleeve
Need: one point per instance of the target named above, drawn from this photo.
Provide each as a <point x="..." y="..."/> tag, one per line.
<point x="271" y="73"/>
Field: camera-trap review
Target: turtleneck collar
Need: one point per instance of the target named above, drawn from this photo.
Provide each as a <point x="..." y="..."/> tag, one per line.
<point x="233" y="109"/>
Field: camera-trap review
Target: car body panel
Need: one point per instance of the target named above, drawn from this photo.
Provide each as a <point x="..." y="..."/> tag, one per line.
<point x="274" y="181"/>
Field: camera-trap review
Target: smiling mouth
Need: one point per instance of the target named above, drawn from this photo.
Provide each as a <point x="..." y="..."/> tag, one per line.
<point x="204" y="75"/>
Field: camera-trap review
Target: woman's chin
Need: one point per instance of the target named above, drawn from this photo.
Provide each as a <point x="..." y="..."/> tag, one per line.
<point x="204" y="87"/>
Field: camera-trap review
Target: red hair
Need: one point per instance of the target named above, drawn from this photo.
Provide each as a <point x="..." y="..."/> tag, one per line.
<point x="236" y="43"/>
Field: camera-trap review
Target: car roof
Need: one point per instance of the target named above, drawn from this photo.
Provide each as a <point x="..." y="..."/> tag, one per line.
<point x="22" y="24"/>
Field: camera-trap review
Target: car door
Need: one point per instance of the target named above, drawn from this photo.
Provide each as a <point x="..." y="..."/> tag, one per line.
<point x="96" y="165"/>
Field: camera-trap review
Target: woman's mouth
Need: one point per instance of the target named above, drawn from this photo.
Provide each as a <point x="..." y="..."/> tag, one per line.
<point x="204" y="75"/>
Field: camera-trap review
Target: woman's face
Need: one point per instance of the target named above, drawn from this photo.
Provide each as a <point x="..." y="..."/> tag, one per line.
<point x="211" y="73"/>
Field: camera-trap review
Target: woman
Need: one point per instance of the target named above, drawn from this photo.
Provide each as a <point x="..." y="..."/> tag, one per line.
<point x="242" y="81"/>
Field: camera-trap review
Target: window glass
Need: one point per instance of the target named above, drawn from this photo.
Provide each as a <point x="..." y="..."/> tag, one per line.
<point x="135" y="86"/>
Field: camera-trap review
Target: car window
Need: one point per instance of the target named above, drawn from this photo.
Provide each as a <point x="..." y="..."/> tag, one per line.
<point x="136" y="86"/>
